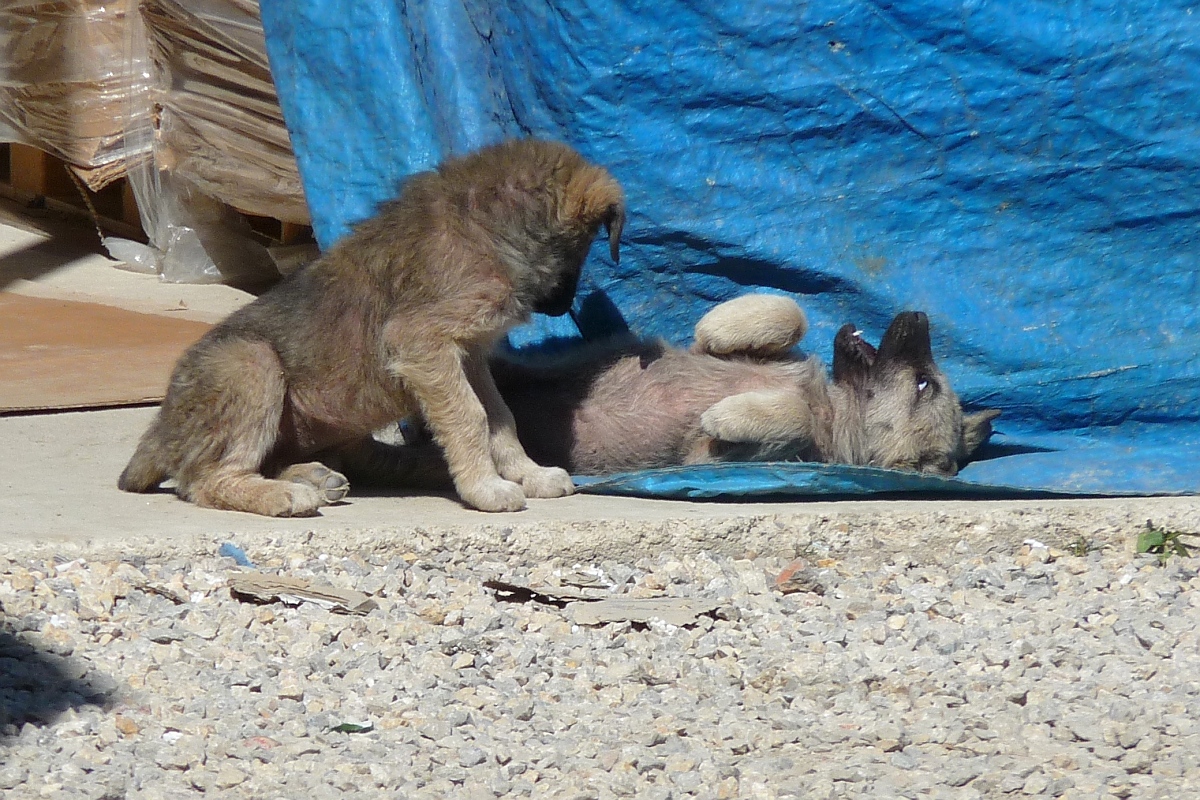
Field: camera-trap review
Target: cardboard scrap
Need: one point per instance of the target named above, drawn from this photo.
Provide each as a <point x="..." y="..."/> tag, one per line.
<point x="583" y="579"/>
<point x="672" y="610"/>
<point x="257" y="587"/>
<point x="550" y="595"/>
<point x="799" y="576"/>
<point x="68" y="354"/>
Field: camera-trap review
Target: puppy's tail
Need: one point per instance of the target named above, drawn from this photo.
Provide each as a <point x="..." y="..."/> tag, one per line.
<point x="146" y="470"/>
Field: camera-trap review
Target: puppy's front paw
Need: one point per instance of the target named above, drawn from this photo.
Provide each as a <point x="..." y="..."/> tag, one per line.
<point x="547" y="482"/>
<point x="763" y="416"/>
<point x="725" y="420"/>
<point x="495" y="494"/>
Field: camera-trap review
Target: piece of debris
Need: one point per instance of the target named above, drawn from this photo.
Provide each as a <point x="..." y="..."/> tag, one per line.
<point x="256" y="587"/>
<point x="672" y="610"/>
<point x="592" y="607"/>
<point x="231" y="550"/>
<point x="798" y="576"/>
<point x="140" y="583"/>
<point x="353" y="727"/>
<point x="550" y="595"/>
<point x="584" y="579"/>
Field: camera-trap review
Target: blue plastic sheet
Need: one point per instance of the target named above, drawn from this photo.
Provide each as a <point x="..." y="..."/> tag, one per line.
<point x="1028" y="174"/>
<point x="715" y="481"/>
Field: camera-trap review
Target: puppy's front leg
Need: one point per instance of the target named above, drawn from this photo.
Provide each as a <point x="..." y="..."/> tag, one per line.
<point x="507" y="453"/>
<point x="459" y="424"/>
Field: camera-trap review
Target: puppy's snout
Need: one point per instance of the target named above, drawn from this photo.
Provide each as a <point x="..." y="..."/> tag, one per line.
<point x="559" y="301"/>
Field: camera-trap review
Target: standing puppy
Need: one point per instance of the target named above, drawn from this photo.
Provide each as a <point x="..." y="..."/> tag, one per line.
<point x="395" y="320"/>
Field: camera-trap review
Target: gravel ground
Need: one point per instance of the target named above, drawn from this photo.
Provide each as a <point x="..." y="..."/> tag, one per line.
<point x="1025" y="654"/>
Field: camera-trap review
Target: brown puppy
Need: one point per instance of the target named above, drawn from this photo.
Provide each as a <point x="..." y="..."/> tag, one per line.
<point x="397" y="319"/>
<point x="739" y="394"/>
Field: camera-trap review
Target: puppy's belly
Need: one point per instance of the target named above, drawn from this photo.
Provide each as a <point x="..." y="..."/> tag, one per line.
<point x="612" y="439"/>
<point x="318" y="417"/>
<point x="642" y="417"/>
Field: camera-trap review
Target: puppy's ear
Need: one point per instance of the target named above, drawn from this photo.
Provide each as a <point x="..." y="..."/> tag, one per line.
<point x="614" y="221"/>
<point x="853" y="357"/>
<point x="977" y="428"/>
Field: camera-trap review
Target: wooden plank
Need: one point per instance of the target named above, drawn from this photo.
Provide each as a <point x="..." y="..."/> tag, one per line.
<point x="129" y="206"/>
<point x="291" y="232"/>
<point x="31" y="170"/>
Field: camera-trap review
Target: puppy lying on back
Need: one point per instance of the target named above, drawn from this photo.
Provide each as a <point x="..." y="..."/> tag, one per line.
<point x="396" y="319"/>
<point x="740" y="395"/>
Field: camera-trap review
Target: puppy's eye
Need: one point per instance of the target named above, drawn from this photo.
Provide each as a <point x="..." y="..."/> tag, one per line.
<point x="922" y="383"/>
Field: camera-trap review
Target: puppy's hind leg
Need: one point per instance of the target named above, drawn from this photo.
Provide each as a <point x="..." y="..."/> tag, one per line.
<point x="148" y="466"/>
<point x="332" y="485"/>
<point x="507" y="453"/>
<point x="232" y="424"/>
<point x="757" y="325"/>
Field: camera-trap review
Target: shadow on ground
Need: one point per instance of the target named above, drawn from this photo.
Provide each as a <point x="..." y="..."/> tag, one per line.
<point x="43" y="257"/>
<point x="37" y="686"/>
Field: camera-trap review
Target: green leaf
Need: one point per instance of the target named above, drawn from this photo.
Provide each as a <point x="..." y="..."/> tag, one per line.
<point x="350" y="727"/>
<point x="1150" y="541"/>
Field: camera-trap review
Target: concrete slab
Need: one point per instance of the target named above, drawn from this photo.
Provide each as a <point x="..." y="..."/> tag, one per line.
<point x="58" y="493"/>
<point x="60" y="259"/>
<point x="58" y="490"/>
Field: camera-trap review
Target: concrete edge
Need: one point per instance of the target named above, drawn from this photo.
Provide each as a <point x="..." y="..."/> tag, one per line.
<point x="921" y="533"/>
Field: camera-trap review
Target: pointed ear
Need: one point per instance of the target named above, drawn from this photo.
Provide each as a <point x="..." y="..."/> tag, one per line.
<point x="614" y="221"/>
<point x="977" y="428"/>
<point x="853" y="357"/>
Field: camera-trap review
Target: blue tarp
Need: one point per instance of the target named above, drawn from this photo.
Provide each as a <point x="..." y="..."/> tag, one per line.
<point x="1028" y="174"/>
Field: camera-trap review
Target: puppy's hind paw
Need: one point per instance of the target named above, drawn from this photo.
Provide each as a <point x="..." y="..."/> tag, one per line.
<point x="758" y="325"/>
<point x="332" y="486"/>
<point x="279" y="499"/>
<point x="548" y="482"/>
<point x="494" y="494"/>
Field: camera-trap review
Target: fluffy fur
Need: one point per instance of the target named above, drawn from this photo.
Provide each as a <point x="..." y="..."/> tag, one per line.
<point x="740" y="395"/>
<point x="395" y="320"/>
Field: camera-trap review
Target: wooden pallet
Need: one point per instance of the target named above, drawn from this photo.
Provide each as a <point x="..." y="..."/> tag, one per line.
<point x="44" y="184"/>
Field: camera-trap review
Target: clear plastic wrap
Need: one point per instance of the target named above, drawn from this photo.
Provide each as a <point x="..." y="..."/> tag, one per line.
<point x="177" y="96"/>
<point x="217" y="143"/>
<point x="218" y="118"/>
<point x="67" y="86"/>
